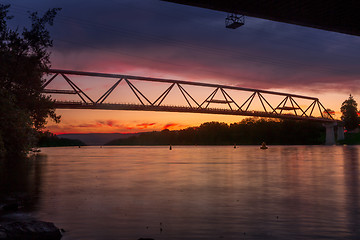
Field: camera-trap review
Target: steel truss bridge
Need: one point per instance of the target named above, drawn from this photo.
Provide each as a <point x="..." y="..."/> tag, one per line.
<point x="286" y="108"/>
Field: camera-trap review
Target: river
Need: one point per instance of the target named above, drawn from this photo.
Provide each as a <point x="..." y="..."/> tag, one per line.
<point x="191" y="192"/>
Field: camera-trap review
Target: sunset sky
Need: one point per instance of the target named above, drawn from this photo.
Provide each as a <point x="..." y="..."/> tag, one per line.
<point x="159" y="39"/>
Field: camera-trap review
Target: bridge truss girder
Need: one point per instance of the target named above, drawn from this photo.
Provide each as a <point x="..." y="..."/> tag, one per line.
<point x="238" y="108"/>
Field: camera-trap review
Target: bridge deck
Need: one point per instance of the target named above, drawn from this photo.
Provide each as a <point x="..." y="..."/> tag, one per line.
<point x="235" y="105"/>
<point x="138" y="107"/>
<point x="338" y="16"/>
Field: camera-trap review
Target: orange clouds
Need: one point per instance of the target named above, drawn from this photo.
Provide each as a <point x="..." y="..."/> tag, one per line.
<point x="110" y="126"/>
<point x="145" y="125"/>
<point x="109" y="123"/>
<point x="170" y="125"/>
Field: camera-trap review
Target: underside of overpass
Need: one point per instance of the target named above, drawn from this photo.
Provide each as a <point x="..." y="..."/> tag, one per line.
<point x="337" y="16"/>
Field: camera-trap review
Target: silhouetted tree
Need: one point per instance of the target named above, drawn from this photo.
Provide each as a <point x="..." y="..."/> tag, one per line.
<point x="248" y="131"/>
<point x="48" y="139"/>
<point x="24" y="58"/>
<point x="214" y="133"/>
<point x="349" y="113"/>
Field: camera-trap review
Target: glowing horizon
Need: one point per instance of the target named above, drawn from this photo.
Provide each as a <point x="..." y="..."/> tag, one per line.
<point x="190" y="44"/>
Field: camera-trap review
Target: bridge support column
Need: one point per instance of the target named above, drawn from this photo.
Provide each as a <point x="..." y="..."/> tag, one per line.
<point x="330" y="134"/>
<point x="340" y="132"/>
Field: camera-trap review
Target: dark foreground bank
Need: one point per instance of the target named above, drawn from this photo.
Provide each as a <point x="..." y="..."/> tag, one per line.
<point x="19" y="194"/>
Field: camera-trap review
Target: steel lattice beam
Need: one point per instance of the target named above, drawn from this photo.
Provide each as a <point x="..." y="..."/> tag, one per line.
<point x="205" y="107"/>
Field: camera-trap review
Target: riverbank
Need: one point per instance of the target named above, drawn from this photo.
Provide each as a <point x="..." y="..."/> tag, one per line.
<point x="351" y="139"/>
<point x="17" y="224"/>
<point x="20" y="190"/>
<point x="247" y="132"/>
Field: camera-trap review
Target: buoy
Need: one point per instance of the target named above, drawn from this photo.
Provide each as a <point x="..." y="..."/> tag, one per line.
<point x="263" y="146"/>
<point x="170" y="148"/>
<point x="235" y="145"/>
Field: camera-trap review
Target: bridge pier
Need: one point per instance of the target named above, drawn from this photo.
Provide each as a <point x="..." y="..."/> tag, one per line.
<point x="340" y="132"/>
<point x="330" y="133"/>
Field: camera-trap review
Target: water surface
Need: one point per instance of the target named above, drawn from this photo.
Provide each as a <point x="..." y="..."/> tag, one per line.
<point x="197" y="192"/>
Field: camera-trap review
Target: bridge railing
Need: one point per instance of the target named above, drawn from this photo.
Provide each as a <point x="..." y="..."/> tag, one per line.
<point x="286" y="107"/>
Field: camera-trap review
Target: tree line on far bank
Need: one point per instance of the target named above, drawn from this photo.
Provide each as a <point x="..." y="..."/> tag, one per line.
<point x="48" y="139"/>
<point x="251" y="131"/>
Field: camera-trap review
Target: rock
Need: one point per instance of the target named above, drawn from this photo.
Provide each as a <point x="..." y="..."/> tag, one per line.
<point x="3" y="235"/>
<point x="30" y="230"/>
<point x="10" y="207"/>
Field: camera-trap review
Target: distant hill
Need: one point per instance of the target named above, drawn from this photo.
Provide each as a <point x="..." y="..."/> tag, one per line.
<point x="48" y="139"/>
<point x="97" y="139"/>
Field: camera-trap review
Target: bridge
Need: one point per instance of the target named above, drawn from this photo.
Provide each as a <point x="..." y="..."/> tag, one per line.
<point x="220" y="99"/>
<point x="338" y="16"/>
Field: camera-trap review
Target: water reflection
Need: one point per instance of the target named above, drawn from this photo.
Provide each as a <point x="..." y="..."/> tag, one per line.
<point x="351" y="181"/>
<point x="21" y="181"/>
<point x="285" y="192"/>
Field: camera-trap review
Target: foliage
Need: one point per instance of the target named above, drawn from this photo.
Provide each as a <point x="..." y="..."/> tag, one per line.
<point x="351" y="139"/>
<point x="248" y="131"/>
<point x="15" y="126"/>
<point x="48" y="139"/>
<point x="24" y="58"/>
<point x="349" y="113"/>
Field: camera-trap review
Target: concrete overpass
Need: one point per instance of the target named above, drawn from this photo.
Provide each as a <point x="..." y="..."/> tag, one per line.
<point x="337" y="16"/>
